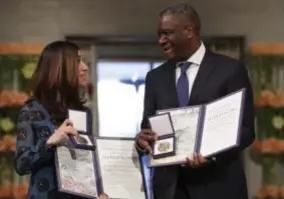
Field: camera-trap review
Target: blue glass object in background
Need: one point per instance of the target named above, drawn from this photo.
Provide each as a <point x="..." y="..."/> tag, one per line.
<point x="135" y="83"/>
<point x="147" y="174"/>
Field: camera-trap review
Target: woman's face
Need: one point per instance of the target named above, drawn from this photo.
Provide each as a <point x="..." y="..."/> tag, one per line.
<point x="83" y="72"/>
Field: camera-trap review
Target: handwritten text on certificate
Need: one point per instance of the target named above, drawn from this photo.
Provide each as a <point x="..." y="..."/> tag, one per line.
<point x="121" y="175"/>
<point x="221" y="124"/>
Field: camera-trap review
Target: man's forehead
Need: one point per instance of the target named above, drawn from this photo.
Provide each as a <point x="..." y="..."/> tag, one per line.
<point x="170" y="20"/>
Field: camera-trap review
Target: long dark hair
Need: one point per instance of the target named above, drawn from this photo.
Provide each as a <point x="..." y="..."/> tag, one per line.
<point x="55" y="81"/>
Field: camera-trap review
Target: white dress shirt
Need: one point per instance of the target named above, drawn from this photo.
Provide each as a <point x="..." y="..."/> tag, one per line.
<point x="192" y="71"/>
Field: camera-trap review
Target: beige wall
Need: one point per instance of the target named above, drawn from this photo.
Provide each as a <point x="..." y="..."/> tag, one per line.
<point x="46" y="20"/>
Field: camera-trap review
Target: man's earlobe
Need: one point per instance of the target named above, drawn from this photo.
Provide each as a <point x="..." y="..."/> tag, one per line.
<point x="190" y="32"/>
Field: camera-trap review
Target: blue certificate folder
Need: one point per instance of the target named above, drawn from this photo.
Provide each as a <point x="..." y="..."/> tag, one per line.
<point x="215" y="128"/>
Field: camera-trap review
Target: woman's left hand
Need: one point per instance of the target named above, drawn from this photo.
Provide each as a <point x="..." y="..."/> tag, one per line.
<point x="103" y="196"/>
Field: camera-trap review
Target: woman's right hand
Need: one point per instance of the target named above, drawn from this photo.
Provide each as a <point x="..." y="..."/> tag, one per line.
<point x="61" y="134"/>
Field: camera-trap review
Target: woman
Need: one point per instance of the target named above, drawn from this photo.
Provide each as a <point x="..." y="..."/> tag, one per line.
<point x="42" y="123"/>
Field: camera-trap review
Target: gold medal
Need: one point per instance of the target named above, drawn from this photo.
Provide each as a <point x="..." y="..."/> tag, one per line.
<point x="82" y="140"/>
<point x="164" y="146"/>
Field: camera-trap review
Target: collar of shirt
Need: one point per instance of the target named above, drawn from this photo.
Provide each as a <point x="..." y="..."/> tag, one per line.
<point x="197" y="57"/>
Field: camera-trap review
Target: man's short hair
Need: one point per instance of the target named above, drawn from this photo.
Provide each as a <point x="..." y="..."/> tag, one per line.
<point x="186" y="11"/>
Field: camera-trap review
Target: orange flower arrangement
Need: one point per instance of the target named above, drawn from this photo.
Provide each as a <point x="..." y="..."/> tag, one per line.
<point x="20" y="192"/>
<point x="12" y="98"/>
<point x="281" y="191"/>
<point x="270" y="99"/>
<point x="6" y="192"/>
<point x="269" y="146"/>
<point x="269" y="191"/>
<point x="273" y="144"/>
<point x="8" y="143"/>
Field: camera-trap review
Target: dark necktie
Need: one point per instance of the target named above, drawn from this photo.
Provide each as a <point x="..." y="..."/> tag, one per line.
<point x="183" y="84"/>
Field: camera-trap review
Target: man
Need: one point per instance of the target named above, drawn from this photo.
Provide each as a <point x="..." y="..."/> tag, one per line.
<point x="194" y="75"/>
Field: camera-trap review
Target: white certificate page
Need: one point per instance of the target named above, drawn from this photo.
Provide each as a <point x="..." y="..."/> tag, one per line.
<point x="120" y="169"/>
<point x="161" y="124"/>
<point x="79" y="119"/>
<point x="221" y="124"/>
<point x="185" y="123"/>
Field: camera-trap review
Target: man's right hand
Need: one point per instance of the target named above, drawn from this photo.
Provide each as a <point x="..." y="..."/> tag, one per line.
<point x="144" y="138"/>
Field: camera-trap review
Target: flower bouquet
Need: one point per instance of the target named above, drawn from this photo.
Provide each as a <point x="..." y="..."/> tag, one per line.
<point x="269" y="123"/>
<point x="269" y="144"/>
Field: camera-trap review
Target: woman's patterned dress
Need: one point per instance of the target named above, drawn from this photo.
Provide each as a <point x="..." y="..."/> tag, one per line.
<point x="32" y="156"/>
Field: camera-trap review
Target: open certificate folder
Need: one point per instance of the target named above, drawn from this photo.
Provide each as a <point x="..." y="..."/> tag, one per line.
<point x="206" y="129"/>
<point x="88" y="166"/>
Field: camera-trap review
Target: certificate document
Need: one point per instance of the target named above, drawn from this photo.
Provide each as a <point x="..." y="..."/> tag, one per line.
<point x="88" y="167"/>
<point x="76" y="171"/>
<point x="120" y="168"/>
<point x="206" y="129"/>
<point x="221" y="124"/>
<point x="75" y="161"/>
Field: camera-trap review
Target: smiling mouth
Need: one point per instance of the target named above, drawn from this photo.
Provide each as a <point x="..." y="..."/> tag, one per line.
<point x="167" y="49"/>
<point x="84" y="77"/>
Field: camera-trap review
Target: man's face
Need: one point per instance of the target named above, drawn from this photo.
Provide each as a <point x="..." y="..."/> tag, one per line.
<point x="174" y="36"/>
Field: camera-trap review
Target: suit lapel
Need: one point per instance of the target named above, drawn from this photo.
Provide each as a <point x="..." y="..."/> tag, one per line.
<point x="170" y="71"/>
<point x="205" y="70"/>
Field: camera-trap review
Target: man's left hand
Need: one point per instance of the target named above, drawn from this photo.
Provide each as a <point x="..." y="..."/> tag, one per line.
<point x="103" y="196"/>
<point x="196" y="161"/>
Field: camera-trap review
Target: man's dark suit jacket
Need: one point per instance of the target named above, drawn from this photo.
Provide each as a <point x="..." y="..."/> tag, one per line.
<point x="224" y="178"/>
